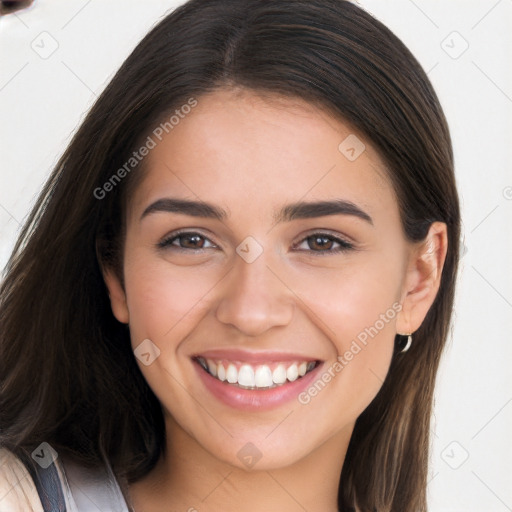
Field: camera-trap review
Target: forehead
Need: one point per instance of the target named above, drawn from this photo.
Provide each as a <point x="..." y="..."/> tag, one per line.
<point x="249" y="154"/>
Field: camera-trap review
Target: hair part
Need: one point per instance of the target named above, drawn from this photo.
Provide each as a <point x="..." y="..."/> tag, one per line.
<point x="78" y="386"/>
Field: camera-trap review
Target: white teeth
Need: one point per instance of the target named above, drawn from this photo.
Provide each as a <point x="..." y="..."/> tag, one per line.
<point x="279" y="375"/>
<point x="246" y="376"/>
<point x="292" y="373"/>
<point x="212" y="368"/>
<point x="232" y="374"/>
<point x="263" y="377"/>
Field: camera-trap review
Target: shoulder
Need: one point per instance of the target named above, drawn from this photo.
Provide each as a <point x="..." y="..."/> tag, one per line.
<point x="18" y="492"/>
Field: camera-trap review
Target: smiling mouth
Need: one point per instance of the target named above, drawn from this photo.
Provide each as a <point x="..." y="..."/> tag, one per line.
<point x="256" y="376"/>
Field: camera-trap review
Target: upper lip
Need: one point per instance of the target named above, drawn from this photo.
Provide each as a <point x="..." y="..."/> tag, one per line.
<point x="260" y="357"/>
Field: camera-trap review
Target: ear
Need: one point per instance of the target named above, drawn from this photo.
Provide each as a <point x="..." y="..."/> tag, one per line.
<point x="117" y="295"/>
<point x="423" y="278"/>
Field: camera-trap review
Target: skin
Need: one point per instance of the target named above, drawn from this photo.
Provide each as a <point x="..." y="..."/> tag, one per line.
<point x="251" y="155"/>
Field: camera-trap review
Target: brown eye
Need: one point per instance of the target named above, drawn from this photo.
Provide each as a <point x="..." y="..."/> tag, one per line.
<point x="324" y="243"/>
<point x="191" y="241"/>
<point x="186" y="240"/>
<point x="320" y="242"/>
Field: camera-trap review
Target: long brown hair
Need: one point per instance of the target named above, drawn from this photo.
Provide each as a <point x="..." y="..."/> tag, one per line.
<point x="69" y="375"/>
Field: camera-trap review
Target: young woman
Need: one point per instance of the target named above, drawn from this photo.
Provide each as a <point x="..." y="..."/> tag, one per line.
<point x="235" y="288"/>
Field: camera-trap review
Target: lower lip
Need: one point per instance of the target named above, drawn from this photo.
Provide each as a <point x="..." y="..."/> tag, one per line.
<point x="253" y="399"/>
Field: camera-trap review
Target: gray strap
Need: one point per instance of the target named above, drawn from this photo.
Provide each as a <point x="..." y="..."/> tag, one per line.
<point x="49" y="489"/>
<point x="92" y="490"/>
<point x="47" y="483"/>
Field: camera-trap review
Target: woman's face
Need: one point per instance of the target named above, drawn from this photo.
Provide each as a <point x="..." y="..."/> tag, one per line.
<point x="263" y="242"/>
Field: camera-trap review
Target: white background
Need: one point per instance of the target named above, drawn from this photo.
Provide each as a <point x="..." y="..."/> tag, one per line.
<point x="43" y="97"/>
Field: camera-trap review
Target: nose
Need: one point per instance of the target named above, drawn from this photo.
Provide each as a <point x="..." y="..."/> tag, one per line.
<point x="254" y="298"/>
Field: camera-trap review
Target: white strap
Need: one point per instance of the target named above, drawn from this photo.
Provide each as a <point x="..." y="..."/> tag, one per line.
<point x="92" y="490"/>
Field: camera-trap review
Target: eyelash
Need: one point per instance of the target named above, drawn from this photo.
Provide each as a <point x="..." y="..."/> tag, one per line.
<point x="345" y="246"/>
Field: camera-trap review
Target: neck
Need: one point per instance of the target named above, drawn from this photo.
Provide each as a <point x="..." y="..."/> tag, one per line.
<point x="188" y="478"/>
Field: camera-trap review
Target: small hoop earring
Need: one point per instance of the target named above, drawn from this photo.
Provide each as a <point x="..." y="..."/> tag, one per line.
<point x="407" y="344"/>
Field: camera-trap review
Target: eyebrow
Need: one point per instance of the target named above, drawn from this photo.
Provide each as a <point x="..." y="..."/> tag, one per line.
<point x="302" y="210"/>
<point x="293" y="211"/>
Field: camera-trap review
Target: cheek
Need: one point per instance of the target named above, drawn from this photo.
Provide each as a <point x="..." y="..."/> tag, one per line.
<point x="352" y="297"/>
<point x="163" y="298"/>
<point x="166" y="302"/>
<point x="356" y="307"/>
